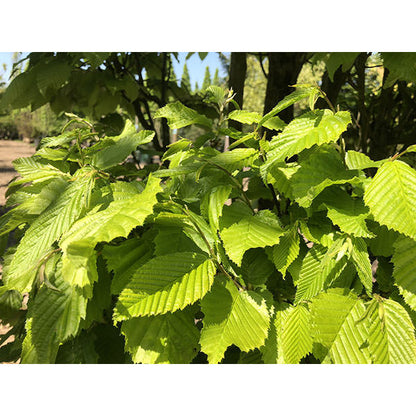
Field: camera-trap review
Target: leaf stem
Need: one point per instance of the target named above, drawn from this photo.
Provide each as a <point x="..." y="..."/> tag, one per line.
<point x="325" y="97"/>
<point x="236" y="182"/>
<point x="210" y="249"/>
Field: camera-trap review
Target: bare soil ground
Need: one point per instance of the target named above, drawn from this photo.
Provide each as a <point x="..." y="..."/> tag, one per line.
<point x="9" y="151"/>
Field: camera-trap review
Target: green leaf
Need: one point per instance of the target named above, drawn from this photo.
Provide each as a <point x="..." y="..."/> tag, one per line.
<point x="313" y="128"/>
<point x="280" y="177"/>
<point x="303" y="91"/>
<point x="178" y="146"/>
<point x="28" y="349"/>
<point x="33" y="200"/>
<point x="95" y="59"/>
<point x="259" y="230"/>
<point x="179" y="116"/>
<point x="256" y="267"/>
<point x="347" y="212"/>
<point x="401" y="65"/>
<point x="244" y="116"/>
<point x="410" y="149"/>
<point x="232" y="317"/>
<point x="337" y="59"/>
<point x="391" y="197"/>
<point x="34" y="170"/>
<point x="382" y="244"/>
<point x="234" y="213"/>
<point x="285" y="253"/>
<point x="215" y="94"/>
<point x="163" y="339"/>
<point x="318" y="229"/>
<point x="275" y="123"/>
<point x="53" y="154"/>
<point x="114" y="150"/>
<point x="117" y="220"/>
<point x="22" y="91"/>
<point x="322" y="169"/>
<point x="337" y="329"/>
<point x="242" y="139"/>
<point x="404" y="272"/>
<point x="174" y="239"/>
<point x="320" y="267"/>
<point x="45" y="230"/>
<point x="188" y="227"/>
<point x="124" y="259"/>
<point x="56" y="315"/>
<point x="56" y="141"/>
<point x="251" y="357"/>
<point x="296" y="335"/>
<point x="79" y="350"/>
<point x="272" y="349"/>
<point x="359" y="257"/>
<point x="52" y="75"/>
<point x="235" y="159"/>
<point x="166" y="284"/>
<point x="357" y="160"/>
<point x="176" y="171"/>
<point x="391" y="333"/>
<point x="213" y="204"/>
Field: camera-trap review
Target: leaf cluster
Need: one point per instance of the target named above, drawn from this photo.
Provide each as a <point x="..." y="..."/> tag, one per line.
<point x="284" y="251"/>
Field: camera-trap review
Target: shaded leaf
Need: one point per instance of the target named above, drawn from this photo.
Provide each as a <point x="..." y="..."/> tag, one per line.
<point x="232" y="317"/>
<point x="169" y="338"/>
<point x="259" y="230"/>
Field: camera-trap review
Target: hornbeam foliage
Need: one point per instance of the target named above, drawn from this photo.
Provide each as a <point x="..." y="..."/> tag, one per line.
<point x="286" y="251"/>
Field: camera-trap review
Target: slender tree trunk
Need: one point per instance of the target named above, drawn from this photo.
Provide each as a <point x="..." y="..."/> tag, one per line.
<point x="238" y="69"/>
<point x="164" y="128"/>
<point x="284" y="68"/>
<point x="364" y="124"/>
<point x="380" y="134"/>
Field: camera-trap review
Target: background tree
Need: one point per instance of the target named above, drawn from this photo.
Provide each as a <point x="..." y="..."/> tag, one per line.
<point x="207" y="78"/>
<point x="284" y="68"/>
<point x="186" y="79"/>
<point x="255" y="83"/>
<point x="237" y="76"/>
<point x="216" y="79"/>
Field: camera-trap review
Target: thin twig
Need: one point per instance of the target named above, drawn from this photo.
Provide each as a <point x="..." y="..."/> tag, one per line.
<point x="240" y="187"/>
<point x="211" y="250"/>
<point x="275" y="200"/>
<point x="262" y="67"/>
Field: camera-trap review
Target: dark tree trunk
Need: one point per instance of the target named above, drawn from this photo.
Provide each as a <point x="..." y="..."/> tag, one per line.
<point x="238" y="69"/>
<point x="381" y="129"/>
<point x="164" y="128"/>
<point x="332" y="88"/>
<point x="364" y="123"/>
<point x="284" y="68"/>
